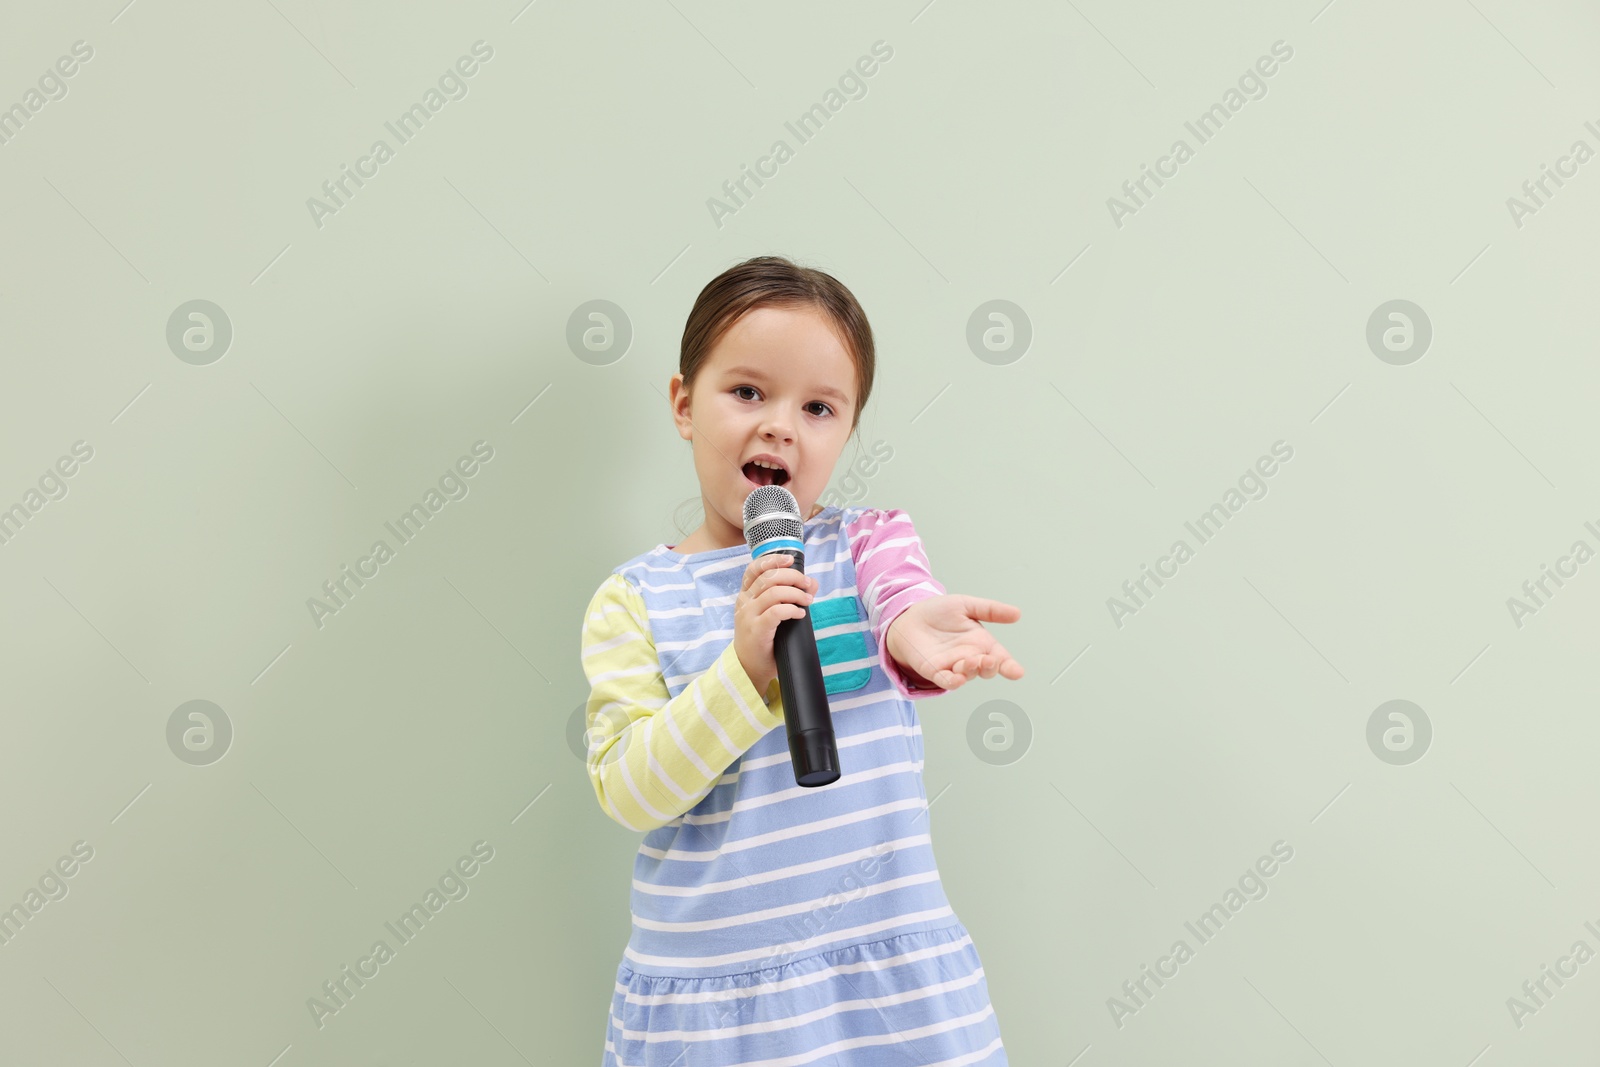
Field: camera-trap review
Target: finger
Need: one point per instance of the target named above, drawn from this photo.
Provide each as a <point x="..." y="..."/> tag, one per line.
<point x="985" y="610"/>
<point x="785" y="576"/>
<point x="963" y="668"/>
<point x="793" y="577"/>
<point x="783" y="594"/>
<point x="760" y="567"/>
<point x="968" y="661"/>
<point x="1009" y="667"/>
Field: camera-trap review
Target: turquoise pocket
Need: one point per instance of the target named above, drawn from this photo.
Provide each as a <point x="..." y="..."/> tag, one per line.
<point x="841" y="648"/>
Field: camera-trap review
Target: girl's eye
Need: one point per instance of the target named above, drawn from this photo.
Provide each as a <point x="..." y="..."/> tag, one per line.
<point x="826" y="410"/>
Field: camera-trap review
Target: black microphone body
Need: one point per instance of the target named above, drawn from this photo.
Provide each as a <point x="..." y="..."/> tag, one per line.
<point x="772" y="524"/>
<point x="812" y="747"/>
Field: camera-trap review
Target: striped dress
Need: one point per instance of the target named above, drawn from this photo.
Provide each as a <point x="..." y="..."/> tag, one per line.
<point x="776" y="925"/>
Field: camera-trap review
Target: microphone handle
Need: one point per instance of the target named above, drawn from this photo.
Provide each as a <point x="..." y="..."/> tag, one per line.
<point x="812" y="747"/>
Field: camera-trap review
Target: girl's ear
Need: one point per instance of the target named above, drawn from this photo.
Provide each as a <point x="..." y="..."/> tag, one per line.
<point x="679" y="401"/>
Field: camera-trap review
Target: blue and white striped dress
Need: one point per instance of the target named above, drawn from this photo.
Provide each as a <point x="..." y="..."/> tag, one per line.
<point x="776" y="925"/>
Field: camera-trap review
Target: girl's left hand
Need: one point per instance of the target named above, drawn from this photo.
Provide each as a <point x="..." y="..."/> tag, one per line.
<point x="942" y="638"/>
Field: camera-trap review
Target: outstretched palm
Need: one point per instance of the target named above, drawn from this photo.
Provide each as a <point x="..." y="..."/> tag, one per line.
<point x="943" y="639"/>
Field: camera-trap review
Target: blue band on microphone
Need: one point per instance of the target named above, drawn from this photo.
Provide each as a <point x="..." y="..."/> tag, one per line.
<point x="780" y="544"/>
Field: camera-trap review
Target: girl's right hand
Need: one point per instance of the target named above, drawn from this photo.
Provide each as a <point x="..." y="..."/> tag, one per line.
<point x="772" y="591"/>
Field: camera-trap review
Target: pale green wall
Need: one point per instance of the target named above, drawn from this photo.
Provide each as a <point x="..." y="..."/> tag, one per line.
<point x="1167" y="354"/>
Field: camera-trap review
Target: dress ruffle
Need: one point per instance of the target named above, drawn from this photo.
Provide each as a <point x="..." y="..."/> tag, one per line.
<point x="915" y="1000"/>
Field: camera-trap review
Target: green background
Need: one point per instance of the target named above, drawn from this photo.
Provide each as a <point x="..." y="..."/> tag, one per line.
<point x="431" y="311"/>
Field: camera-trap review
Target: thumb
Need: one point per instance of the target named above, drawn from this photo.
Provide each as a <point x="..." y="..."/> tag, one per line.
<point x="985" y="610"/>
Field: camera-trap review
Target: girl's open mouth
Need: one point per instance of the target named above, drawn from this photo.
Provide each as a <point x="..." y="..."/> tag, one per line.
<point x="756" y="474"/>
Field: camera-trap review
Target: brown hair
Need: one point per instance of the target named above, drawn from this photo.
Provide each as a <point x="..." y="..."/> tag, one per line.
<point x="773" y="281"/>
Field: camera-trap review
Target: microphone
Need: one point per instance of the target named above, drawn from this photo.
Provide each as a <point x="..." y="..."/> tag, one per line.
<point x="772" y="524"/>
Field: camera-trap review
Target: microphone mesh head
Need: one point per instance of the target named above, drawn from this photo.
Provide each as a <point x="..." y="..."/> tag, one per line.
<point x="771" y="512"/>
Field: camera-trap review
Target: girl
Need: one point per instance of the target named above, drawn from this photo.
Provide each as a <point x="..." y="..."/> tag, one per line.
<point x="771" y="922"/>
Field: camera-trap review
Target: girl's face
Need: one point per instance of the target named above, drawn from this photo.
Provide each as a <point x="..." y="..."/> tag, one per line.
<point x="779" y="384"/>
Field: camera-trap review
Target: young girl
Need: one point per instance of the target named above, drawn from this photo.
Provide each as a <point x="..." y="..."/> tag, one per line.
<point x="772" y="922"/>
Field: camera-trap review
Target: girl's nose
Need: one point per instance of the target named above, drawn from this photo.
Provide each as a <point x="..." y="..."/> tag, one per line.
<point x="777" y="429"/>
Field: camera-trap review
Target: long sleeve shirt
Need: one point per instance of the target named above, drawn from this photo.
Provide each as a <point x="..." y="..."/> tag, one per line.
<point x="652" y="756"/>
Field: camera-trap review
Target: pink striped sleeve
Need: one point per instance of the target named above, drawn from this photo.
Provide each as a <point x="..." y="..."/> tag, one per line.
<point x="892" y="573"/>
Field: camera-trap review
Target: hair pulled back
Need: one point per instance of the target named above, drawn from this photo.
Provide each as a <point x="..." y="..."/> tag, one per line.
<point x="773" y="281"/>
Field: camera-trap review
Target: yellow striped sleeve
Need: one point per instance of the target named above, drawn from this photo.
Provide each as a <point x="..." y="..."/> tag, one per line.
<point x="651" y="758"/>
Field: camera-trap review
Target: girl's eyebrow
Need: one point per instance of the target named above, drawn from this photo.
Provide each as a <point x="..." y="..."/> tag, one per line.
<point x="821" y="390"/>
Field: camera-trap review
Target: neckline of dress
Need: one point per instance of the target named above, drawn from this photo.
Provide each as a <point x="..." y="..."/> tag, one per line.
<point x="729" y="551"/>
